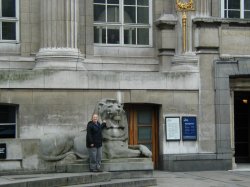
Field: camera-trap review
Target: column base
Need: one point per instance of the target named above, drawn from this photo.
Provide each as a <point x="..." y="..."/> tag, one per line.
<point x="59" y="58"/>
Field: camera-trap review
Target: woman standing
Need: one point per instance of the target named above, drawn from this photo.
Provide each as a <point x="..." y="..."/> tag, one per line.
<point x="94" y="143"/>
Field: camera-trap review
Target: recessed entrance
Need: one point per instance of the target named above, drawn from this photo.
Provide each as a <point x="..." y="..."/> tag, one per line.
<point x="242" y="126"/>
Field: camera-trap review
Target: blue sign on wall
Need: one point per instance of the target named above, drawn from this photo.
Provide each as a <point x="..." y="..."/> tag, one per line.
<point x="189" y="128"/>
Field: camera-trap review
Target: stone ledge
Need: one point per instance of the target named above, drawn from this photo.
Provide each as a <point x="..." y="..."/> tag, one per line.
<point x="221" y="20"/>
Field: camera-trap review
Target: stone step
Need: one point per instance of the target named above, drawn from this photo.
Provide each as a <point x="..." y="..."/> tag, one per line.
<point x="122" y="183"/>
<point x="53" y="180"/>
<point x="128" y="164"/>
<point x="126" y="173"/>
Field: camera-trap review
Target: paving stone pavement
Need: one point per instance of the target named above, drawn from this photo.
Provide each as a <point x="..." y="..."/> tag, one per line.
<point x="203" y="179"/>
<point x="233" y="178"/>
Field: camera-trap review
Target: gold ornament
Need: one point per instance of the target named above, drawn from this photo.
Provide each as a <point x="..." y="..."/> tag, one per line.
<point x="184" y="6"/>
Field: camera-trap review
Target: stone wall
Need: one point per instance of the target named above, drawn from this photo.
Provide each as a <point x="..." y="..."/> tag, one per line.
<point x="21" y="154"/>
<point x="57" y="111"/>
<point x="63" y="99"/>
<point x="47" y="111"/>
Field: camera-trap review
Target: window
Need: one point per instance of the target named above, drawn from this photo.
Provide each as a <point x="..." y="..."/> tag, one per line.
<point x="8" y="20"/>
<point x="123" y="22"/>
<point x="8" y="121"/>
<point x="235" y="9"/>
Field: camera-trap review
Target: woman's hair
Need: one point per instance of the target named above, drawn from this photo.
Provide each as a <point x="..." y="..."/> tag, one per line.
<point x="94" y="115"/>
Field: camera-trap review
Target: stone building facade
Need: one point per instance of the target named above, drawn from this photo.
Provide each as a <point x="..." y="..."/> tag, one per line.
<point x="58" y="58"/>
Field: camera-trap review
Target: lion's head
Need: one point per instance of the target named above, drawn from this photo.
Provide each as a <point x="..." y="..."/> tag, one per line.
<point x="112" y="111"/>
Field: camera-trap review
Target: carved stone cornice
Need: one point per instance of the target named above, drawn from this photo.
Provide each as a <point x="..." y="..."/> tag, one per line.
<point x="166" y="21"/>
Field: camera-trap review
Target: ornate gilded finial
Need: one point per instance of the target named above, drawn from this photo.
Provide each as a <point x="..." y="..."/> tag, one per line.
<point x="185" y="6"/>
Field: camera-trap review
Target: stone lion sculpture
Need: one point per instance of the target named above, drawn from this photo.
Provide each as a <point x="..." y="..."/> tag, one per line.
<point x="66" y="148"/>
<point x="63" y="148"/>
<point x="115" y="136"/>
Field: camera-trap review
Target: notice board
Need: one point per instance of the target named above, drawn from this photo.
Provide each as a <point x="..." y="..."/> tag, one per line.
<point x="172" y="128"/>
<point x="189" y="128"/>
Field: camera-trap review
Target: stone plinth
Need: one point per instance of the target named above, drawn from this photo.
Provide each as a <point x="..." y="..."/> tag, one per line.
<point x="128" y="164"/>
<point x="114" y="165"/>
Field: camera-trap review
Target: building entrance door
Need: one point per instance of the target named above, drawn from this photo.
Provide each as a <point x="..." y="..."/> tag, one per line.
<point x="143" y="127"/>
<point x="242" y="126"/>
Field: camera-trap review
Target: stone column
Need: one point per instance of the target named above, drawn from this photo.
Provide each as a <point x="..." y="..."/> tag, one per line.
<point x="59" y="26"/>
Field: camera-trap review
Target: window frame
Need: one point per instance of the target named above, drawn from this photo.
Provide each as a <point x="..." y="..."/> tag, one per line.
<point x="13" y="107"/>
<point x="12" y="20"/>
<point x="121" y="25"/>
<point x="242" y="9"/>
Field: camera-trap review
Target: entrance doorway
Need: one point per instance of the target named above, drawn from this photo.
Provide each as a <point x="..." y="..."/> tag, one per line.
<point x="143" y="127"/>
<point x="242" y="126"/>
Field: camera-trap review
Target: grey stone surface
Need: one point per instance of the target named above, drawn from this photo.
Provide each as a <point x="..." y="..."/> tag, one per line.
<point x="21" y="154"/>
<point x="235" y="41"/>
<point x="244" y="67"/>
<point x="47" y="180"/>
<point x="194" y="162"/>
<point x="223" y="146"/>
<point x="207" y="113"/>
<point x="10" y="165"/>
<point x="224" y="113"/>
<point x="222" y="97"/>
<point x="129" y="166"/>
<point x="203" y="165"/>
<point x="223" y="131"/>
<point x="98" y="80"/>
<point x="207" y="143"/>
<point x="226" y="68"/>
<point x="206" y="37"/>
<point x="122" y="165"/>
<point x="77" y="179"/>
<point x="222" y="83"/>
<point x="132" y="174"/>
<point x="205" y="178"/>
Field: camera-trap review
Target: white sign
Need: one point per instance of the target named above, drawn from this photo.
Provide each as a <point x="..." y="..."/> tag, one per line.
<point x="172" y="128"/>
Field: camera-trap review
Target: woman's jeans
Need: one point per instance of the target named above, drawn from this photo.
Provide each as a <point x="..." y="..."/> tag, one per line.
<point x="95" y="158"/>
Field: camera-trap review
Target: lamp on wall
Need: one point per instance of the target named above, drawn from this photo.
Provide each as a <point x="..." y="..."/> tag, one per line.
<point x="184" y="7"/>
<point x="244" y="101"/>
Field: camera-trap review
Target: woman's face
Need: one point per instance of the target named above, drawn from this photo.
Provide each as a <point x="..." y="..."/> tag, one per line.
<point x="95" y="118"/>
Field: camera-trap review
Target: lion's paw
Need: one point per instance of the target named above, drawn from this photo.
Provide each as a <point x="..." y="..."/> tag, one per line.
<point x="145" y="151"/>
